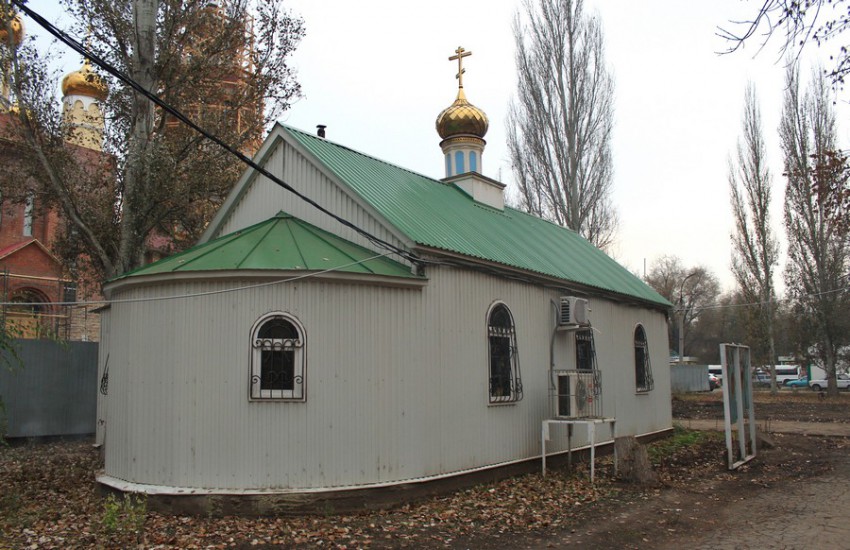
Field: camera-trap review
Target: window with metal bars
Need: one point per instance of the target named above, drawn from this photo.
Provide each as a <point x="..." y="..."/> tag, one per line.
<point x="585" y="351"/>
<point x="278" y="358"/>
<point x="505" y="380"/>
<point x="643" y="369"/>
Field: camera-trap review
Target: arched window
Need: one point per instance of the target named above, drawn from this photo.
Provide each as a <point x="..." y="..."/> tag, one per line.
<point x="473" y="161"/>
<point x="459" y="169"/>
<point x="29" y="314"/>
<point x="643" y="370"/>
<point x="505" y="381"/>
<point x="278" y="358"/>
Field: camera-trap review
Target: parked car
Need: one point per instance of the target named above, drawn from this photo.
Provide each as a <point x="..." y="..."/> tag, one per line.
<point x="713" y="382"/>
<point x="799" y="383"/>
<point x="842" y="379"/>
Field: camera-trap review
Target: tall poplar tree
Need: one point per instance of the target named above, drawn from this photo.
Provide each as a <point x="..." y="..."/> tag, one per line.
<point x="818" y="251"/>
<point x="560" y="123"/>
<point x="755" y="250"/>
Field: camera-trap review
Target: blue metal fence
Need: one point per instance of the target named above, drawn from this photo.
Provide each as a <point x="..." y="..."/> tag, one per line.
<point x="53" y="392"/>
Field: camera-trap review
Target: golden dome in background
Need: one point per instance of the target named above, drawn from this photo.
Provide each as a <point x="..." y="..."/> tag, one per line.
<point x="85" y="82"/>
<point x="462" y="118"/>
<point x="17" y="29"/>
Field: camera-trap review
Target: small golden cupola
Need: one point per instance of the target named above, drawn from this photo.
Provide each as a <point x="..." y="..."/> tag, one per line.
<point x="17" y="26"/>
<point x="82" y="93"/>
<point x="85" y="82"/>
<point x="462" y="126"/>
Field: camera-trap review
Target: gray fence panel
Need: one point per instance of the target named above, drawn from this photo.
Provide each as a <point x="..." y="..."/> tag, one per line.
<point x="54" y="392"/>
<point x="688" y="378"/>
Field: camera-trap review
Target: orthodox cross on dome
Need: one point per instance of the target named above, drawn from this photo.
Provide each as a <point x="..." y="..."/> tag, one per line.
<point x="461" y="53"/>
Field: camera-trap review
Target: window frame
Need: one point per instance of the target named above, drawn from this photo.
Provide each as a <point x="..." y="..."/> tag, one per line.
<point x="644" y="381"/>
<point x="298" y="348"/>
<point x="585" y="350"/>
<point x="29" y="210"/>
<point x="508" y="333"/>
<point x="460" y="167"/>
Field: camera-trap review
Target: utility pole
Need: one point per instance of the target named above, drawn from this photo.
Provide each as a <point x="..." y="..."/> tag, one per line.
<point x="682" y="311"/>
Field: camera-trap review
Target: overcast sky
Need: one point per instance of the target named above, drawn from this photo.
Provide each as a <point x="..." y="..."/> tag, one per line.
<point x="376" y="72"/>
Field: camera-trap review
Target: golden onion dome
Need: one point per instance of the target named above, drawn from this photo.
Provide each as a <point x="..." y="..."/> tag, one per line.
<point x="462" y="118"/>
<point x="85" y="82"/>
<point x="17" y="25"/>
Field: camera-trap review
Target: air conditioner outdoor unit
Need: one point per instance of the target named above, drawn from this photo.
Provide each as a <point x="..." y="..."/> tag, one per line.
<point x="573" y="311"/>
<point x="573" y="397"/>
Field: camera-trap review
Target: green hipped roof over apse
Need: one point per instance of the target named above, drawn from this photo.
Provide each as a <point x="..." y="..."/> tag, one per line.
<point x="439" y="215"/>
<point x="279" y="243"/>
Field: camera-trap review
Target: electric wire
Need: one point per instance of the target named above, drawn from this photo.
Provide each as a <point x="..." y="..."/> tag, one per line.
<point x="120" y="75"/>
<point x="393" y="249"/>
<point x="201" y="294"/>
<point x="753" y="304"/>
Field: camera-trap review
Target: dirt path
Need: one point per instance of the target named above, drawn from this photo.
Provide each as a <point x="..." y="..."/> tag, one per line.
<point x="794" y="496"/>
<point x="827" y="429"/>
<point x="808" y="513"/>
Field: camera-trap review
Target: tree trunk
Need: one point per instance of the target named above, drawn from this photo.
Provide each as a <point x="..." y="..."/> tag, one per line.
<point x="141" y="70"/>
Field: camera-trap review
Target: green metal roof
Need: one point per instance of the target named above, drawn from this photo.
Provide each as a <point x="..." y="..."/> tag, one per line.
<point x="439" y="215"/>
<point x="279" y="243"/>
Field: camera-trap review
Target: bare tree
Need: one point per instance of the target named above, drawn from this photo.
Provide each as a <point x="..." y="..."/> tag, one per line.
<point x="821" y="22"/>
<point x="800" y="22"/>
<point x="691" y="290"/>
<point x="560" y="123"/>
<point x="755" y="250"/>
<point x="722" y="321"/>
<point x="817" y="248"/>
<point x="224" y="64"/>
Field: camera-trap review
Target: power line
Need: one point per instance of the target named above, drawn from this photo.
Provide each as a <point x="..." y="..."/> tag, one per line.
<point x="120" y="75"/>
<point x="751" y="304"/>
<point x="201" y="294"/>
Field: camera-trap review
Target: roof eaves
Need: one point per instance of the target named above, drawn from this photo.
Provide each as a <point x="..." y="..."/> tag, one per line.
<point x="487" y="265"/>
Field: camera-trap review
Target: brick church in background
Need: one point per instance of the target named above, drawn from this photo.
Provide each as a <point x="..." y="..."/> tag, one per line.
<point x="31" y="274"/>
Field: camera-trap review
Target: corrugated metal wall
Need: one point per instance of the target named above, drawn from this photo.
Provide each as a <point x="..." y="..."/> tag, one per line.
<point x="688" y="378"/>
<point x="53" y="391"/>
<point x="266" y="199"/>
<point x="103" y="376"/>
<point x="396" y="382"/>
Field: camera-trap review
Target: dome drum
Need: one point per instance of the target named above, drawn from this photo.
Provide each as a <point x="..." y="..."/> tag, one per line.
<point x="462" y="139"/>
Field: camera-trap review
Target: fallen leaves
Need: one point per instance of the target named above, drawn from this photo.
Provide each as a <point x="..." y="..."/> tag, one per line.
<point x="48" y="499"/>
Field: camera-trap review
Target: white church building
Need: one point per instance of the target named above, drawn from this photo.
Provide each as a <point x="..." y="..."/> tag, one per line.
<point x="287" y="356"/>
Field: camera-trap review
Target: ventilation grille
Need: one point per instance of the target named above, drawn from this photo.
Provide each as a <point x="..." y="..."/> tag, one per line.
<point x="573" y="311"/>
